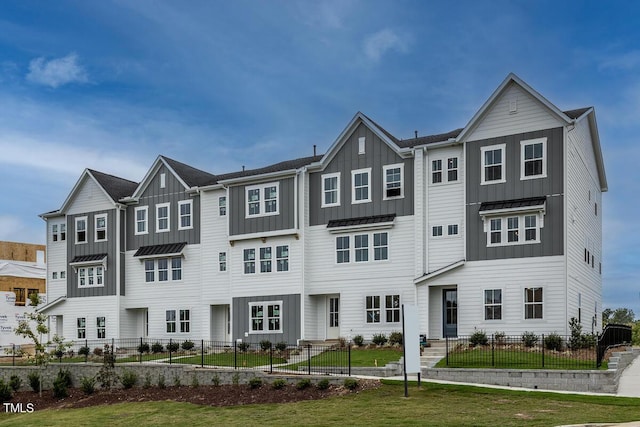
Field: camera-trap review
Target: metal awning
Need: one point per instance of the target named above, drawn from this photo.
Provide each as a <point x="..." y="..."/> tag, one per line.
<point x="170" y="249"/>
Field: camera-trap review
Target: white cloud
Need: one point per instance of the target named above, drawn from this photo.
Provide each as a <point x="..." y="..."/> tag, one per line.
<point x="56" y="72"/>
<point x="383" y="41"/>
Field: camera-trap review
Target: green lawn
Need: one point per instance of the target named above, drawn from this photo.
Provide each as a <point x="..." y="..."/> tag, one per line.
<point x="514" y="359"/>
<point x="433" y="405"/>
<point x="360" y="357"/>
<point x="248" y="360"/>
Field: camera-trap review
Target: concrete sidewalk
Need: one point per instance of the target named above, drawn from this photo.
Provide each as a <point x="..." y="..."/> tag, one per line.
<point x="629" y="383"/>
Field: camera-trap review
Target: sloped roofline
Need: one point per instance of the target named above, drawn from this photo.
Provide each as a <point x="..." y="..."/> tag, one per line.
<point x="160" y="160"/>
<point x="597" y="149"/>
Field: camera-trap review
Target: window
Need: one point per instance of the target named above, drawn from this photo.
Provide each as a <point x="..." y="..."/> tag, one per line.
<point x="149" y="270"/>
<point x="392" y="308"/>
<point x="101" y="227"/>
<point x="265" y="260"/>
<point x="533" y="158"/>
<point x="493" y="164"/>
<point x="342" y="249"/>
<point x="263" y="199"/>
<point x="58" y="232"/>
<point x="20" y="298"/>
<point x="496" y="231"/>
<point x="82" y="277"/>
<point x="162" y="217"/>
<point x="222" y="205"/>
<point x="81" y="230"/>
<point x="54" y="275"/>
<point x="185" y="208"/>
<point x="90" y="276"/>
<point x="176" y="268"/>
<point x="436" y="171"/>
<point x="330" y="190"/>
<point x="530" y="229"/>
<point x="222" y="261"/>
<point x="101" y="326"/>
<point x="393" y="181"/>
<point x="452" y="169"/>
<point x="63" y="232"/>
<point x="452" y="229"/>
<point x="185" y="323"/>
<point x="373" y="309"/>
<point x="533" y="303"/>
<point x="380" y="246"/>
<point x="436" y="231"/>
<point x="249" y="261"/>
<point x="81" y="323"/>
<point x="171" y="321"/>
<point x="265" y="317"/>
<point x="141" y="219"/>
<point x="163" y="180"/>
<point x="54" y="232"/>
<point x="282" y="258"/>
<point x="361" y="244"/>
<point x="514" y="230"/>
<point x="163" y="269"/>
<point x="63" y="274"/>
<point x="492" y="304"/>
<point x="360" y="186"/>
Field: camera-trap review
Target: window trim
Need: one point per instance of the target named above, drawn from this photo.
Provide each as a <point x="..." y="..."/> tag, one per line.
<point x="169" y="271"/>
<point x="523" y="144"/>
<point x="456" y="169"/>
<point x="158" y="207"/>
<point x="171" y="320"/>
<point x="323" y="203"/>
<point x="101" y="327"/>
<point x="265" y="317"/>
<point x="83" y="273"/>
<point x="181" y="216"/>
<point x="81" y="325"/>
<point x="262" y="202"/>
<point x="435" y="171"/>
<point x="86" y="231"/>
<point x="222" y="206"/>
<point x="394" y="311"/>
<point x="370" y="249"/>
<point x="385" y="168"/>
<point x="493" y="304"/>
<point x="222" y="262"/>
<point x="503" y="164"/>
<point x="145" y="221"/>
<point x="353" y="185"/>
<point x="532" y="303"/>
<point x="95" y="229"/>
<point x="522" y="227"/>
<point x="372" y="309"/>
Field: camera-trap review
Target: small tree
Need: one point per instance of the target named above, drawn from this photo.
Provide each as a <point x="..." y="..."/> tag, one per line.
<point x="25" y="330"/>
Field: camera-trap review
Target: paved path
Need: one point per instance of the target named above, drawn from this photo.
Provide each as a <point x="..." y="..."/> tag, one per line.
<point x="629" y="383"/>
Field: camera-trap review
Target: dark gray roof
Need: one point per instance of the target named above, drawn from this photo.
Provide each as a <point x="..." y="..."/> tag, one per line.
<point x="277" y="167"/>
<point x="363" y="220"/>
<point x="191" y="176"/>
<point x="116" y="187"/>
<point x="429" y="139"/>
<point x="512" y="204"/>
<point x="170" y="248"/>
<point x="88" y="258"/>
<point x="574" y="114"/>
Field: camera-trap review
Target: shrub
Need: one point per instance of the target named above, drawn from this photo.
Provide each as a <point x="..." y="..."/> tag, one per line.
<point x="479" y="337"/>
<point x="129" y="379"/>
<point x="97" y="351"/>
<point x="173" y="347"/>
<point x="34" y="381"/>
<point x="60" y="386"/>
<point x="342" y="342"/>
<point x="553" y="342"/>
<point x="5" y="392"/>
<point x="88" y="385"/>
<point x="350" y="383"/>
<point x="107" y="376"/>
<point x="243" y="346"/>
<point x="303" y="384"/>
<point x="156" y="347"/>
<point x="529" y="339"/>
<point x="147" y="381"/>
<point x="84" y="351"/>
<point x="395" y="338"/>
<point x="323" y="384"/>
<point x="188" y="345"/>
<point x="279" y="383"/>
<point x="281" y="346"/>
<point x="379" y="339"/>
<point x="176" y="381"/>
<point x="161" y="383"/>
<point x="15" y="382"/>
<point x="65" y="375"/>
<point x="215" y="380"/>
<point x="144" y="348"/>
<point x="255" y="382"/>
<point x="500" y="337"/>
<point x="235" y="379"/>
<point x="265" y="345"/>
<point x="358" y="340"/>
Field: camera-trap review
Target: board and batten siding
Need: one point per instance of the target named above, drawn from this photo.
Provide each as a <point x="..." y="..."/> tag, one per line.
<point x="291" y="319"/>
<point x="237" y="209"/>
<point x="377" y="154"/>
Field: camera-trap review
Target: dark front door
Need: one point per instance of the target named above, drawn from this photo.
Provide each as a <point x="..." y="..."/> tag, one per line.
<point x="450" y="312"/>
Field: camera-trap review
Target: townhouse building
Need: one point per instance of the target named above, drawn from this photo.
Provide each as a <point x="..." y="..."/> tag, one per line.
<point x="495" y="226"/>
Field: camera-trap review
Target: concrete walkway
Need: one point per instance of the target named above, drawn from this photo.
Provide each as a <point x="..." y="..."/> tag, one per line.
<point x="629" y="383"/>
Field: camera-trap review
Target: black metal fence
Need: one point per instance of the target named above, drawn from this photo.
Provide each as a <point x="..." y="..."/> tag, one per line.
<point x="613" y="336"/>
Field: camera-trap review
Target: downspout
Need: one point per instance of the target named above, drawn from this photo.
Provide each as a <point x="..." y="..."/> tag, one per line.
<point x="565" y="137"/>
<point x="301" y="223"/>
<point x="120" y="254"/>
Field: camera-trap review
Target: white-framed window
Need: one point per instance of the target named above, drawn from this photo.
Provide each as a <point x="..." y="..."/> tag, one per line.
<point x="361" y="185"/>
<point x="101" y="327"/>
<point x="185" y="210"/>
<point x="282" y="258"/>
<point x="342" y="249"/>
<point x="163" y="217"/>
<point x="393" y="181"/>
<point x="380" y="246"/>
<point x="54" y="232"/>
<point x="392" y="308"/>
<point x="533" y="303"/>
<point x="222" y="205"/>
<point x="81" y="229"/>
<point x="159" y="268"/>
<point x="170" y="317"/>
<point x="265" y="317"/>
<point x="330" y="190"/>
<point x="185" y="321"/>
<point x="149" y="270"/>
<point x="436" y="171"/>
<point x="361" y="246"/>
<point x="163" y="180"/>
<point x="265" y="260"/>
<point x="249" y="261"/>
<point x="452" y="229"/>
<point x="54" y="275"/>
<point x="163" y="269"/>
<point x="493" y="304"/>
<point x="452" y="169"/>
<point x="533" y="158"/>
<point x="373" y="308"/>
<point x="222" y="261"/>
<point x="63" y="232"/>
<point x="493" y="164"/>
<point x="514" y="229"/>
<point x="63" y="274"/>
<point x="436" y="231"/>
<point x="81" y="323"/>
<point x="496" y="231"/>
<point x="176" y="268"/>
<point x="89" y="277"/>
<point x="101" y="227"/>
<point x="530" y="228"/>
<point x="263" y="199"/>
<point x="142" y="215"/>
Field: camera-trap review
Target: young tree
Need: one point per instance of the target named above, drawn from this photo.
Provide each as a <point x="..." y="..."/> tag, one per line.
<point x="25" y="330"/>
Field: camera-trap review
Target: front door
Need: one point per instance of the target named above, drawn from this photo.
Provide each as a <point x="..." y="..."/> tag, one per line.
<point x="333" y="327"/>
<point x="450" y="312"/>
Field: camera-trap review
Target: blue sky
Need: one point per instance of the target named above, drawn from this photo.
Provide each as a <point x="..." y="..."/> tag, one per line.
<point x="110" y="85"/>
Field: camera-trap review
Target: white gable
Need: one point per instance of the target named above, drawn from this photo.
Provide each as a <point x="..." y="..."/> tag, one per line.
<point x="88" y="197"/>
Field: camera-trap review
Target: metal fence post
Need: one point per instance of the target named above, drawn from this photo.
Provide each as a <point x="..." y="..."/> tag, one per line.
<point x="349" y="355"/>
<point x="271" y="359"/>
<point x="140" y="349"/>
<point x="235" y="355"/>
<point x="543" y="350"/>
<point x="170" y="346"/>
<point x="202" y="353"/>
<point x="86" y="356"/>
<point x="13" y="352"/>
<point x="493" y="355"/>
<point x="446" y="346"/>
<point x="309" y="357"/>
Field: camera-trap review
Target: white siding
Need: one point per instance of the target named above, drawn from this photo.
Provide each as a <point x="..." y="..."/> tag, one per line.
<point x="89" y="198"/>
<point x="214" y="237"/>
<point x="89" y="308"/>
<point x="56" y="262"/>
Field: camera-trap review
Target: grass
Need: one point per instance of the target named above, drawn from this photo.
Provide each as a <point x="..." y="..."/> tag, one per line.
<point x="432" y="405"/>
<point x="248" y="360"/>
<point x="360" y="357"/>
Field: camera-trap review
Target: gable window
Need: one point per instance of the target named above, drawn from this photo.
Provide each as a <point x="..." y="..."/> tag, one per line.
<point x="265" y="260"/>
<point x="162" y="217"/>
<point x="282" y="258"/>
<point x="163" y="180"/>
<point x="436" y="171"/>
<point x="101" y="327"/>
<point x="493" y="164"/>
<point x="361" y="244"/>
<point x="222" y="205"/>
<point x="185" y="322"/>
<point x="185" y="208"/>
<point x="265" y="317"/>
<point x="493" y="304"/>
<point x="330" y="190"/>
<point x="342" y="249"/>
<point x="149" y="270"/>
<point x="249" y="261"/>
<point x="380" y="246"/>
<point x="263" y="199"/>
<point x="141" y="214"/>
<point x="533" y="303"/>
<point x="393" y="181"/>
<point x="452" y="169"/>
<point x="101" y="227"/>
<point x="436" y="231"/>
<point x="533" y="158"/>
<point x="81" y="323"/>
<point x="373" y="309"/>
<point x="222" y="261"/>
<point x="361" y="144"/>
<point x="360" y="181"/>
<point x="392" y="308"/>
<point x="170" y="317"/>
<point x="81" y="230"/>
